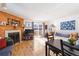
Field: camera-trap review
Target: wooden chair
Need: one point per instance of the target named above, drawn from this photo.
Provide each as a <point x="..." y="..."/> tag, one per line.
<point x="50" y="36"/>
<point x="68" y="50"/>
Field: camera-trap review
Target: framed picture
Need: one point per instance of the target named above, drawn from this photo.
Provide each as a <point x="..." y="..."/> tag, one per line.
<point x="28" y="25"/>
<point x="2" y="23"/>
<point x="8" y="21"/>
<point x="13" y="22"/>
<point x="67" y="25"/>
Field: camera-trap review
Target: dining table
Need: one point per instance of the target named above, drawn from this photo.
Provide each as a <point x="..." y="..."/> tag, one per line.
<point x="55" y="46"/>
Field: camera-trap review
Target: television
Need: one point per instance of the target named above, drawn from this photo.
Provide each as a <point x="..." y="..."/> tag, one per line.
<point x="67" y="25"/>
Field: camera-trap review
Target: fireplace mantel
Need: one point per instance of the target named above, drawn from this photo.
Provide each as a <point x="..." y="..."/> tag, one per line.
<point x="12" y="31"/>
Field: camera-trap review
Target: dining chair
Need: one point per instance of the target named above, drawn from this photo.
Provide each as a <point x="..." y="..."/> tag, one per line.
<point x="50" y="36"/>
<point x="68" y="50"/>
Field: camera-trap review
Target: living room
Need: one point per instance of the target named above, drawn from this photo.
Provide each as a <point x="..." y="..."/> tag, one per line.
<point x="27" y="26"/>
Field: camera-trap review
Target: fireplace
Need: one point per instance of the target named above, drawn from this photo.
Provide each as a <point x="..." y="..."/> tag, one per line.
<point x="15" y="35"/>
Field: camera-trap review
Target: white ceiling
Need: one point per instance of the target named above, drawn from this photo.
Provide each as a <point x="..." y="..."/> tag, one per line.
<point x="43" y="10"/>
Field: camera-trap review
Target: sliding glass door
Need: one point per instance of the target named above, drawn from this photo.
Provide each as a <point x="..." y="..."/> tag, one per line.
<point x="38" y="29"/>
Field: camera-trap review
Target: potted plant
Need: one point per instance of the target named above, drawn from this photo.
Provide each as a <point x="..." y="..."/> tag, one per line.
<point x="72" y="42"/>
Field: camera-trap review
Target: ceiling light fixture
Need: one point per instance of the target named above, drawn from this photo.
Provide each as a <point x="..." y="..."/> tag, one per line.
<point x="3" y="6"/>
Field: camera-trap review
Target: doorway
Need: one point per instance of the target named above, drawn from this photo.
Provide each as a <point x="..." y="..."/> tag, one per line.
<point x="38" y="29"/>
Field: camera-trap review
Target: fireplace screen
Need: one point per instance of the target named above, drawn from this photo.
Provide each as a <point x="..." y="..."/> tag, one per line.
<point x="14" y="36"/>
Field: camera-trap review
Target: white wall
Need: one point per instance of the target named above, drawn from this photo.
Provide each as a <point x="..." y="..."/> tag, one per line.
<point x="52" y="12"/>
<point x="57" y="24"/>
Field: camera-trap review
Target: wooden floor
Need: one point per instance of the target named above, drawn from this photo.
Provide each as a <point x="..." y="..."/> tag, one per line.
<point x="34" y="47"/>
<point x="28" y="48"/>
